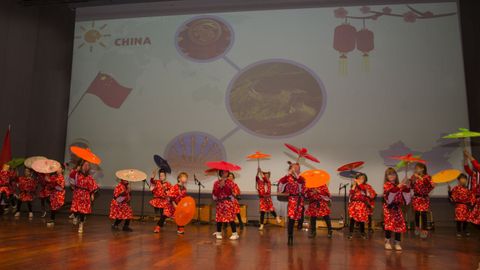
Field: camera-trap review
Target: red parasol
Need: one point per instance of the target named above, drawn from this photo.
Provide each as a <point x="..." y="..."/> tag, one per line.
<point x="409" y="158"/>
<point x="85" y="154"/>
<point x="223" y="165"/>
<point x="302" y="152"/>
<point x="350" y="166"/>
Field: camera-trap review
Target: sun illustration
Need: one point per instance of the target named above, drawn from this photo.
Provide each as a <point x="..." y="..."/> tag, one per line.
<point x="92" y="36"/>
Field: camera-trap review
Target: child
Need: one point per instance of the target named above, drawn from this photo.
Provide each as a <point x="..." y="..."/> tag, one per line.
<point x="83" y="193"/>
<point x="474" y="216"/>
<point x="56" y="183"/>
<point x="358" y="208"/>
<point x="264" y="188"/>
<point x="236" y="195"/>
<point x="370" y="214"/>
<point x="463" y="198"/>
<point x="44" y="193"/>
<point x="120" y="206"/>
<point x="5" y="190"/>
<point x="26" y="187"/>
<point x="294" y="185"/>
<point x="177" y="193"/>
<point x="395" y="195"/>
<point x="318" y="198"/>
<point x="422" y="185"/>
<point x="160" y="202"/>
<point x="225" y="213"/>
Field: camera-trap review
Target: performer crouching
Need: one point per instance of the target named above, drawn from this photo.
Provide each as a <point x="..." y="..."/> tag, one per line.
<point x="177" y="193"/>
<point x="83" y="193"/>
<point x="225" y="213"/>
<point x="56" y="183"/>
<point x="293" y="184"/>
<point x="26" y="187"/>
<point x="264" y="188"/>
<point x="395" y="195"/>
<point x="463" y="198"/>
<point x="120" y="209"/>
<point x="318" y="206"/>
<point x="358" y="208"/>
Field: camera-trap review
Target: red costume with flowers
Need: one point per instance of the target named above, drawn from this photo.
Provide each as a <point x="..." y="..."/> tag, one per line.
<point x="295" y="188"/>
<point x="264" y="188"/>
<point x="5" y="185"/>
<point x="26" y="187"/>
<point x="318" y="201"/>
<point x="422" y="186"/>
<point x="463" y="199"/>
<point x="84" y="188"/>
<point x="120" y="206"/>
<point x="223" y="196"/>
<point x="474" y="215"/>
<point x="56" y="185"/>
<point x="394" y="197"/>
<point x="360" y="198"/>
<point x="160" y="199"/>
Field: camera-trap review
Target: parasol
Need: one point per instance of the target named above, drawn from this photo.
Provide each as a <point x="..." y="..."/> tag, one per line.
<point x="349" y="174"/>
<point x="463" y="133"/>
<point x="258" y="155"/>
<point x="131" y="175"/>
<point x="46" y="166"/>
<point x="222" y="165"/>
<point x="315" y="178"/>
<point x="162" y="163"/>
<point x="407" y="159"/>
<point x="29" y="161"/>
<point x="16" y="162"/>
<point x="446" y="176"/>
<point x="85" y="154"/>
<point x="185" y="211"/>
<point x="350" y="166"/>
<point x="302" y="152"/>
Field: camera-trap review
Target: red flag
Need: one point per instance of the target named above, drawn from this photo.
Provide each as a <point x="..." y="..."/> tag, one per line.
<point x="6" y="154"/>
<point x="109" y="90"/>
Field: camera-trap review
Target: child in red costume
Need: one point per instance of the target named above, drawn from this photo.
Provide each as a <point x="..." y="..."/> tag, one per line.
<point x="6" y="176"/>
<point x="318" y="206"/>
<point x="223" y="193"/>
<point x="177" y="193"/>
<point x="422" y="185"/>
<point x="264" y="189"/>
<point x="27" y="187"/>
<point x="120" y="208"/>
<point x="83" y="193"/>
<point x="293" y="185"/>
<point x="361" y="195"/>
<point x="474" y="216"/>
<point x="463" y="198"/>
<point x="395" y="195"/>
<point x="236" y="197"/>
<point x="161" y="202"/>
<point x="56" y="184"/>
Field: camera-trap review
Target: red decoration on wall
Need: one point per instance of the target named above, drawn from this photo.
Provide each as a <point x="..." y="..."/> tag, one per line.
<point x="365" y="45"/>
<point x="344" y="42"/>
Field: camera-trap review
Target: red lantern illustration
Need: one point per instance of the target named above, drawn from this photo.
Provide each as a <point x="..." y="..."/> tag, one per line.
<point x="344" y="41"/>
<point x="365" y="45"/>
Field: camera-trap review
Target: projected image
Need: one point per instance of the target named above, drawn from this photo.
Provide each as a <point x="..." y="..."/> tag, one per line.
<point x="276" y="98"/>
<point x="204" y="38"/>
<point x="189" y="151"/>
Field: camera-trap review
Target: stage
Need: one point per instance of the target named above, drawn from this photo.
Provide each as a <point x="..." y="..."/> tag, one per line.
<point x="25" y="244"/>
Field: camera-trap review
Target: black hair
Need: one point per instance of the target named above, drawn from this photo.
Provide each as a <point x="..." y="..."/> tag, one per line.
<point x="462" y="175"/>
<point x="360" y="174"/>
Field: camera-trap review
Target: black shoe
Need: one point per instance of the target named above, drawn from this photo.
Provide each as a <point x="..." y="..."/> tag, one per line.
<point x="312" y="234"/>
<point x="127" y="229"/>
<point x="290" y="240"/>
<point x="330" y="234"/>
<point x="114" y="227"/>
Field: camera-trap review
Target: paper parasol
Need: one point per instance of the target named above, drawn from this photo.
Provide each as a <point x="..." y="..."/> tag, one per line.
<point x="463" y="133"/>
<point x="315" y="178"/>
<point x="222" y="165"/>
<point x="350" y="166"/>
<point x="446" y="176"/>
<point x="46" y="166"/>
<point x="16" y="162"/>
<point x="349" y="174"/>
<point x="258" y="155"/>
<point x="131" y="175"/>
<point x="302" y="152"/>
<point x="401" y="164"/>
<point x="85" y="154"/>
<point x="162" y="163"/>
<point x="29" y="161"/>
<point x="185" y="211"/>
<point x="408" y="158"/>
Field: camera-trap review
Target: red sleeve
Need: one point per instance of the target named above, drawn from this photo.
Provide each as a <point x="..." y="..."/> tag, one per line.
<point x="475" y="164"/>
<point x="468" y="170"/>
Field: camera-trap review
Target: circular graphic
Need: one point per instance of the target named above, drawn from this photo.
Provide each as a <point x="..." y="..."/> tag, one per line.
<point x="204" y="38"/>
<point x="276" y="98"/>
<point x="188" y="152"/>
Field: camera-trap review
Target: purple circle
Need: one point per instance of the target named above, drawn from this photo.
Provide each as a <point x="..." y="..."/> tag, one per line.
<point x="220" y="44"/>
<point x="292" y="100"/>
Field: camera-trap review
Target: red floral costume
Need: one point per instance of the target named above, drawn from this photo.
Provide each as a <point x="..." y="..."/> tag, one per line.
<point x="56" y="184"/>
<point x="319" y="199"/>
<point x="26" y="187"/>
<point x="295" y="187"/>
<point x="223" y="196"/>
<point x="236" y="193"/>
<point x="474" y="216"/>
<point x="5" y="185"/>
<point x="421" y="188"/>
<point x="264" y="188"/>
<point x="394" y="198"/>
<point x="44" y="188"/>
<point x="463" y="199"/>
<point x="360" y="198"/>
<point x="120" y="205"/>
<point x="84" y="187"/>
<point x="160" y="199"/>
<point x="177" y="193"/>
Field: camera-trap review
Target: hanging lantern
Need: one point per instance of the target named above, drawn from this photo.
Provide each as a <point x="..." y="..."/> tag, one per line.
<point x="365" y="45"/>
<point x="344" y="41"/>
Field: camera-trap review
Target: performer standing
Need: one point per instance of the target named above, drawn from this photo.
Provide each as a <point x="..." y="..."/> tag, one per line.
<point x="264" y="188"/>
<point x="177" y="193"/>
<point x="236" y="197"/>
<point x="395" y="195"/>
<point x="318" y="206"/>
<point x="223" y="192"/>
<point x="293" y="184"/>
<point x="358" y="208"/>
<point x="83" y="193"/>
<point x="6" y="176"/>
<point x="474" y="216"/>
<point x="120" y="209"/>
<point x="56" y="183"/>
<point x="422" y="185"/>
<point x="463" y="198"/>
<point x="160" y="202"/>
<point x="44" y="193"/>
<point x="26" y="187"/>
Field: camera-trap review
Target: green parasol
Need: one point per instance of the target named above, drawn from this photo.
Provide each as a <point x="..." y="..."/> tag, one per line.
<point x="16" y="162"/>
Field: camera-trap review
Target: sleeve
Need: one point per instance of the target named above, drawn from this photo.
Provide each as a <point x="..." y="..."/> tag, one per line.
<point x="468" y="170"/>
<point x="475" y="165"/>
<point x="216" y="191"/>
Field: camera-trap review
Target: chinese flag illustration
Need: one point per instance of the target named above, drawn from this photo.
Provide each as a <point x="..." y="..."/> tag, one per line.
<point x="6" y="154"/>
<point x="109" y="90"/>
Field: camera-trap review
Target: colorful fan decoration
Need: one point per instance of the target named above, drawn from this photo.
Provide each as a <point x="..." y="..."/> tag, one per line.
<point x="302" y="152"/>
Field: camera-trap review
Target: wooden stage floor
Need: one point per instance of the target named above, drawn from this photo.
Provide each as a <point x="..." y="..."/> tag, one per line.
<point x="28" y="244"/>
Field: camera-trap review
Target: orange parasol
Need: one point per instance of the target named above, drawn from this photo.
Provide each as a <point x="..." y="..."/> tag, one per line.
<point x="46" y="166"/>
<point x="258" y="155"/>
<point x="185" y="211"/>
<point x="315" y="178"/>
<point x="85" y="154"/>
<point x="446" y="176"/>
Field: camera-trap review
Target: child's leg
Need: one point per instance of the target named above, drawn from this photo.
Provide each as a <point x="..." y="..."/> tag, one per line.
<point x="291" y="223"/>
<point x="362" y="228"/>
<point x="313" y="226"/>
<point x="464" y="227"/>
<point x="328" y="221"/>
<point x="388" y="235"/>
<point x="370" y="228"/>
<point x="398" y="237"/>
<point x="19" y="206"/>
<point x="262" y="217"/>
<point x="52" y="215"/>
<point x="300" y="221"/>
<point x="117" y="222"/>
<point x="240" y="222"/>
<point x="459" y="226"/>
<point x="352" y="225"/>
<point x="424" y="220"/>
<point x="126" y="226"/>
<point x="234" y="226"/>
<point x="219" y="227"/>
<point x="274" y="214"/>
<point x="161" y="221"/>
<point x="29" y="205"/>
<point x="42" y="202"/>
